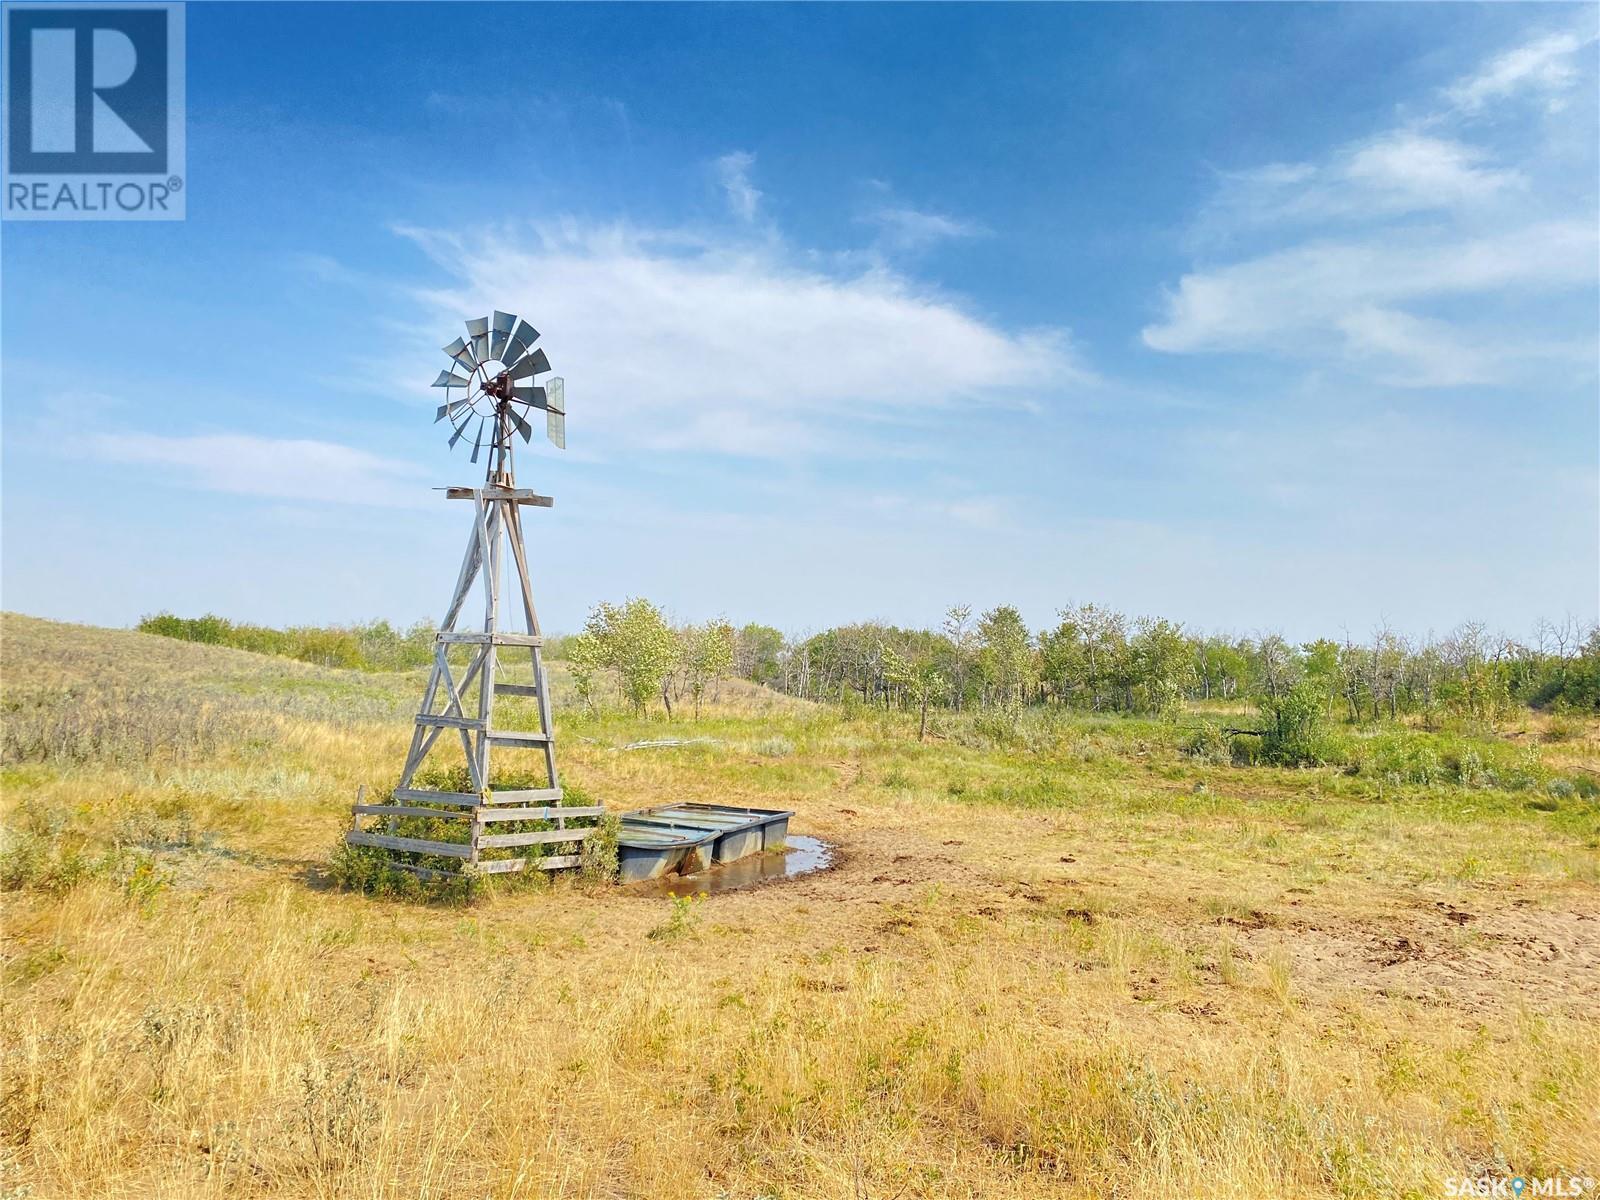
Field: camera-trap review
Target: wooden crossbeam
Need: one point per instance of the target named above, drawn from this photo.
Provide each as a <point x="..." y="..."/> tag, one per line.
<point x="384" y="841"/>
<point x="496" y="841"/>
<point x="486" y="815"/>
<point x="444" y="722"/>
<point x="493" y="639"/>
<point x="508" y="494"/>
<point x="458" y="799"/>
<point x="408" y="810"/>
<point x="515" y="689"/>
<point x="526" y="795"/>
<point x="516" y="737"/>
<point x="489" y="815"/>
<point x="503" y="866"/>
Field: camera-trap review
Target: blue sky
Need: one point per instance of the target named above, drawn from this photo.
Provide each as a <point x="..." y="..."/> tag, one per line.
<point x="1254" y="316"/>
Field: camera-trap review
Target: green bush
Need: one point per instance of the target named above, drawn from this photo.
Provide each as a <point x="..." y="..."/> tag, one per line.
<point x="1400" y="757"/>
<point x="997" y="726"/>
<point x="1294" y="732"/>
<point x="37" y="860"/>
<point x="1209" y="744"/>
<point x="1571" y="685"/>
<point x="366" y="869"/>
<point x="1247" y="751"/>
<point x="1408" y="756"/>
<point x="599" y="852"/>
<point x="1470" y="770"/>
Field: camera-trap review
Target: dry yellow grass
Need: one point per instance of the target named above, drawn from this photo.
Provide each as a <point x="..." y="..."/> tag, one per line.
<point x="1087" y="967"/>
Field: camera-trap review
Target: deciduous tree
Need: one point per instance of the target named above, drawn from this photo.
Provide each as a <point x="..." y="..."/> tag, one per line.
<point x="706" y="656"/>
<point x="1005" y="657"/>
<point x="919" y="675"/>
<point x="636" y="641"/>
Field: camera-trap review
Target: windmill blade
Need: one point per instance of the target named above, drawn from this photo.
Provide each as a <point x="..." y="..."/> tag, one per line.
<point x="477" y="442"/>
<point x="531" y="395"/>
<point x="502" y="324"/>
<point x="456" y="436"/>
<point x="530" y="364"/>
<point x="522" y="425"/>
<point x="525" y="336"/>
<point x="462" y="353"/>
<point x="555" y="393"/>
<point x="451" y="409"/>
<point x="448" y="380"/>
<point x="478" y="330"/>
<point x="555" y="425"/>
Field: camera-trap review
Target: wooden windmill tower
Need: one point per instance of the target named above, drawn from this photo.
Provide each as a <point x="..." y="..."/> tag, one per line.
<point x="478" y="829"/>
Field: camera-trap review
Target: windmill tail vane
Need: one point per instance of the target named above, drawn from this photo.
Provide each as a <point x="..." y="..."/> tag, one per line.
<point x="521" y="824"/>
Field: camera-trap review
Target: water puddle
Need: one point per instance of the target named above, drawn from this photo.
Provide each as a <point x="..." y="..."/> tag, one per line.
<point x="801" y="856"/>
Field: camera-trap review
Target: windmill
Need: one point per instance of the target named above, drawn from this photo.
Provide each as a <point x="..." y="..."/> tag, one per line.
<point x="494" y="369"/>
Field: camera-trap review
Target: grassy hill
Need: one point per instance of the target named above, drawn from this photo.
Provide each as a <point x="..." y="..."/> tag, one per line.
<point x="1074" y="963"/>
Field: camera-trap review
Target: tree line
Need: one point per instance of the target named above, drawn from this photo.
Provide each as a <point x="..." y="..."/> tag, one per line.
<point x="1098" y="659"/>
<point x="1092" y="658"/>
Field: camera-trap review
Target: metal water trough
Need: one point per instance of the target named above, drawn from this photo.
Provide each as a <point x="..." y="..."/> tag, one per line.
<point x="686" y="838"/>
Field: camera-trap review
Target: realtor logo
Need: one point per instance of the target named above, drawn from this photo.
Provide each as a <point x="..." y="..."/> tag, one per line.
<point x="94" y="124"/>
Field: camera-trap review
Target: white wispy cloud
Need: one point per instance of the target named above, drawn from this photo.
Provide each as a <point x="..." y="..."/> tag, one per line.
<point x="1409" y="351"/>
<point x="907" y="228"/>
<point x="283" y="468"/>
<point x="1369" y="249"/>
<point x="733" y="173"/>
<point x="685" y="340"/>
<point x="1269" y="302"/>
<point x="1413" y="170"/>
<point x="1545" y="67"/>
<point x="1398" y="172"/>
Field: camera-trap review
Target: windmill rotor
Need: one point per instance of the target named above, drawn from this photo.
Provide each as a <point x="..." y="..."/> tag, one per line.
<point x="483" y="401"/>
